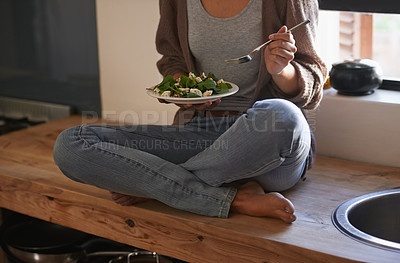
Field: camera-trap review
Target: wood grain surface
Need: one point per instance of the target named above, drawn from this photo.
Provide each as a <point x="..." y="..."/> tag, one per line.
<point x="31" y="184"/>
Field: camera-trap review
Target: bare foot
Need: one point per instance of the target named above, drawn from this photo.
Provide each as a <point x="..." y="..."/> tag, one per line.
<point x="251" y="200"/>
<point x="126" y="200"/>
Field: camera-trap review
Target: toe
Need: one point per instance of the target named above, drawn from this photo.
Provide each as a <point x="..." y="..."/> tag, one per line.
<point x="115" y="196"/>
<point x="286" y="217"/>
<point x="125" y="200"/>
<point x="289" y="208"/>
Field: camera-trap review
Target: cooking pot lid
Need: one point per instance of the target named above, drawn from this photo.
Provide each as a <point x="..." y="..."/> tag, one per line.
<point x="356" y="64"/>
<point x="40" y="236"/>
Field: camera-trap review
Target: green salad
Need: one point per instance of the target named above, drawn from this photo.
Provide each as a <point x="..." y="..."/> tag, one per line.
<point x="191" y="86"/>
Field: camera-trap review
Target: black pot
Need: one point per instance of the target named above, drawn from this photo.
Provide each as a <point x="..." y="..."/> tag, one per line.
<point x="40" y="241"/>
<point x="355" y="77"/>
<point x="44" y="242"/>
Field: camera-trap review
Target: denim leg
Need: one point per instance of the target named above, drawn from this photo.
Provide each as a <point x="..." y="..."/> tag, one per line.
<point x="84" y="156"/>
<point x="269" y="143"/>
<point x="175" y="144"/>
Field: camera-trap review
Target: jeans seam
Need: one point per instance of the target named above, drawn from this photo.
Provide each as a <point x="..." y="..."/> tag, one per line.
<point x="300" y="144"/>
<point x="79" y="135"/>
<point x="224" y="212"/>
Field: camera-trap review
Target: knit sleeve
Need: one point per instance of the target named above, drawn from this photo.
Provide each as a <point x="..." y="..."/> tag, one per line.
<point x="167" y="40"/>
<point x="311" y="69"/>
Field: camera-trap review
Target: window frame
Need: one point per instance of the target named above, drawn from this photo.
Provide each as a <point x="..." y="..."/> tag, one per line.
<point x="370" y="6"/>
<point x="367" y="6"/>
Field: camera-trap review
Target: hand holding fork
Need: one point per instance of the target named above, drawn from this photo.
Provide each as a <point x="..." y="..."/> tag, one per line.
<point x="250" y="56"/>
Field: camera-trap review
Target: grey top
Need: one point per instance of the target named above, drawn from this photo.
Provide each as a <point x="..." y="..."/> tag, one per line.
<point x="211" y="42"/>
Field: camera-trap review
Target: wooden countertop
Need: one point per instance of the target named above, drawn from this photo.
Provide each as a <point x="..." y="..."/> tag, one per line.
<point x="31" y="184"/>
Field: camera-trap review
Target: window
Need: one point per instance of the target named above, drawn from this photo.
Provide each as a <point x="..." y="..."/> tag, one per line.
<point x="355" y="35"/>
<point x="386" y="39"/>
<point x="349" y="34"/>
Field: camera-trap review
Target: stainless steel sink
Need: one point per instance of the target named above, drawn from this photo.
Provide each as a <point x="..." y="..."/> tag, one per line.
<point x="373" y="219"/>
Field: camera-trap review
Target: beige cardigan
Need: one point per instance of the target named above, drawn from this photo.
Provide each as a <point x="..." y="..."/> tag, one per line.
<point x="172" y="44"/>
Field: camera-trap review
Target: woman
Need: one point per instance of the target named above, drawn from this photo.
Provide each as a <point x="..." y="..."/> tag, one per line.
<point x="232" y="155"/>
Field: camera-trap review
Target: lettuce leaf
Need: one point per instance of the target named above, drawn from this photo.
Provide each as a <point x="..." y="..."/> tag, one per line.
<point x="209" y="83"/>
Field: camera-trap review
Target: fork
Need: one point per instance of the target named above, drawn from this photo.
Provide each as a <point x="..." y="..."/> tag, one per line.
<point x="250" y="56"/>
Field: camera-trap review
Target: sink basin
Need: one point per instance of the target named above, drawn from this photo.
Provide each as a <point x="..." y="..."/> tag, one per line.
<point x="373" y="219"/>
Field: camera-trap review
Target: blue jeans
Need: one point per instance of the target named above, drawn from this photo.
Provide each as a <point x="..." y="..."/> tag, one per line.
<point x="190" y="167"/>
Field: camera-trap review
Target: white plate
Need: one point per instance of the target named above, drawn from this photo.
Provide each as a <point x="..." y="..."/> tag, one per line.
<point x="199" y="100"/>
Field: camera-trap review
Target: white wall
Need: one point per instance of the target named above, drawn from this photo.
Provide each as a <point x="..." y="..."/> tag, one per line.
<point x="364" y="129"/>
<point x="127" y="57"/>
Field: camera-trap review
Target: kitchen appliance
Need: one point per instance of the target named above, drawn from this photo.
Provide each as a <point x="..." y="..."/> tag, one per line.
<point x="17" y="114"/>
<point x="13" y="124"/>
